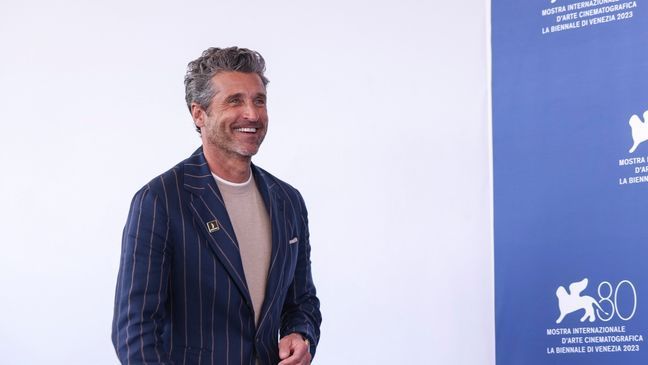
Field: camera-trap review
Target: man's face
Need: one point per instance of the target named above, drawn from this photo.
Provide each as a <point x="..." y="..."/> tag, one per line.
<point x="237" y="120"/>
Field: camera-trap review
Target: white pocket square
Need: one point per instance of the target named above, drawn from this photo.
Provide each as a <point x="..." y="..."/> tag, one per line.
<point x="294" y="240"/>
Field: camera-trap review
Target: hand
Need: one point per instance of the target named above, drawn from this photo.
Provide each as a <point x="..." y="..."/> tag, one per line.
<point x="294" y="350"/>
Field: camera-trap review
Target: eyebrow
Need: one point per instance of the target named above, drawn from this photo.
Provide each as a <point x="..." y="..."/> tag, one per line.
<point x="239" y="95"/>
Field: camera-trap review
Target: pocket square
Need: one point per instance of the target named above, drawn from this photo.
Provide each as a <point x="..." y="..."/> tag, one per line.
<point x="294" y="240"/>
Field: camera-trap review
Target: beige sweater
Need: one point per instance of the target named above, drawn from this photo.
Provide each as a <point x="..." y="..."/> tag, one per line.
<point x="251" y="223"/>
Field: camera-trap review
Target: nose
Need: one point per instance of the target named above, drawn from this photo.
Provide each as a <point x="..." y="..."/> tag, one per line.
<point x="251" y="113"/>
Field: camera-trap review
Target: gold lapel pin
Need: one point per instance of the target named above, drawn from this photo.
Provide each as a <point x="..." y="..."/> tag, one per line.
<point x="213" y="226"/>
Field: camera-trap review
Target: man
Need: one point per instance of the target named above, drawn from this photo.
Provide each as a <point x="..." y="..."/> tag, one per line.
<point x="215" y="262"/>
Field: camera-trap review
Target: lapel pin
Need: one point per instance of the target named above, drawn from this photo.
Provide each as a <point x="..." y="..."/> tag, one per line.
<point x="213" y="226"/>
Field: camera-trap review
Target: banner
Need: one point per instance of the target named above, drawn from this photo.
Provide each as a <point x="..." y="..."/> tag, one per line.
<point x="570" y="151"/>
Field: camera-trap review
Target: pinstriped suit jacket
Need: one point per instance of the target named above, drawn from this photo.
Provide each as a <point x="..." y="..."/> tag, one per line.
<point x="181" y="294"/>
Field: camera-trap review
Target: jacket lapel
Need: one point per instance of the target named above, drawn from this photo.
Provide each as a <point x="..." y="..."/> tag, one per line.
<point x="211" y="218"/>
<point x="275" y="205"/>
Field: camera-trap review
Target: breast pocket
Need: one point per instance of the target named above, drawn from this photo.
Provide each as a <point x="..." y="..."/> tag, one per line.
<point x="292" y="255"/>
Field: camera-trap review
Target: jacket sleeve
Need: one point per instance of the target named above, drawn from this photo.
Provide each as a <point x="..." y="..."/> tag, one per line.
<point x="301" y="312"/>
<point x="140" y="313"/>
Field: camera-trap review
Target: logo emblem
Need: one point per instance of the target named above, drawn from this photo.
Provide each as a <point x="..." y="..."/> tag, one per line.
<point x="213" y="226"/>
<point x="639" y="130"/>
<point x="572" y="301"/>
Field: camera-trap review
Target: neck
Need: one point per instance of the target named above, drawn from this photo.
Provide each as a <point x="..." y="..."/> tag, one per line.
<point x="229" y="166"/>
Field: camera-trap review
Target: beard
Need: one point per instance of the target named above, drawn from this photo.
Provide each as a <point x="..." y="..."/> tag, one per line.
<point x="232" y="142"/>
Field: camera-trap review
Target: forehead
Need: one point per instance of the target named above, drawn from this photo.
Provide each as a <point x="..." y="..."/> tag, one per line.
<point x="231" y="82"/>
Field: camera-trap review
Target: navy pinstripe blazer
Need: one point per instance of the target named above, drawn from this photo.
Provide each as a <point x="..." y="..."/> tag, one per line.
<point x="181" y="294"/>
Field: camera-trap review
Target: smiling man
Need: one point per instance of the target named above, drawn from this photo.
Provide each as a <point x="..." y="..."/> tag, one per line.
<point x="215" y="260"/>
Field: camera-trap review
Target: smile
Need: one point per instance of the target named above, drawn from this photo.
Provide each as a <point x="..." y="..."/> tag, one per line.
<point x="246" y="130"/>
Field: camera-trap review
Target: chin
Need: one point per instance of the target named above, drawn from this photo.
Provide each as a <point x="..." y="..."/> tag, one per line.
<point x="247" y="152"/>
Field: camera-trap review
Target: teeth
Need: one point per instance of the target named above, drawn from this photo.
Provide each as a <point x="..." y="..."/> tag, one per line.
<point x="247" y="130"/>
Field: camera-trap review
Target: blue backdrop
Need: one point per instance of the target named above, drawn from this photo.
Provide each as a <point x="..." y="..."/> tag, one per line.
<point x="571" y="200"/>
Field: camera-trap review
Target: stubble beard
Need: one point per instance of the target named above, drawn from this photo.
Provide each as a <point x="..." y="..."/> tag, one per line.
<point x="229" y="146"/>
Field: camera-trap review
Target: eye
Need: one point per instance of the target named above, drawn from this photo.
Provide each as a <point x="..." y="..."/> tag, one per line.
<point x="234" y="100"/>
<point x="260" y="101"/>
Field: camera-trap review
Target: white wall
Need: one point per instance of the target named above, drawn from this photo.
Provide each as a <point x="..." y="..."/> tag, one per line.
<point x="378" y="114"/>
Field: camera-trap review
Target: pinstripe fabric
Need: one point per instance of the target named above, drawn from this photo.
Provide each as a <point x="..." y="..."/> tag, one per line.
<point x="181" y="294"/>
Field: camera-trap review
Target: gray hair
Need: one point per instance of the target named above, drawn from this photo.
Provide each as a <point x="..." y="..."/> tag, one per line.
<point x="198" y="79"/>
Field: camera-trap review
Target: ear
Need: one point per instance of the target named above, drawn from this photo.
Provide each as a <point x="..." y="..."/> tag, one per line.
<point x="198" y="114"/>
